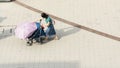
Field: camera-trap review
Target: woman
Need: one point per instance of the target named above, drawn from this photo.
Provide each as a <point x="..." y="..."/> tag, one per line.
<point x="50" y="27"/>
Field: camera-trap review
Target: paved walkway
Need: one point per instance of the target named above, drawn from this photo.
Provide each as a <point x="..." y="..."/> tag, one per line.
<point x="77" y="47"/>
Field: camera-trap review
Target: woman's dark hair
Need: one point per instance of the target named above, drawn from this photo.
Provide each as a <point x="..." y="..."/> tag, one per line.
<point x="44" y="15"/>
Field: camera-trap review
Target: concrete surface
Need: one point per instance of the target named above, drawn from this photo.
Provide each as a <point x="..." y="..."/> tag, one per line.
<point x="76" y="48"/>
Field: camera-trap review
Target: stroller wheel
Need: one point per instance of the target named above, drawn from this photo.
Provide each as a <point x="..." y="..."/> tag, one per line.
<point x="41" y="40"/>
<point x="29" y="43"/>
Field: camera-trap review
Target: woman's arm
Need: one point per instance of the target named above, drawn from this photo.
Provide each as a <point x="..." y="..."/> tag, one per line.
<point x="47" y="24"/>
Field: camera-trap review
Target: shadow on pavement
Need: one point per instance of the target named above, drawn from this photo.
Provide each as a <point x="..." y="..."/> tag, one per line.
<point x="6" y="33"/>
<point x="2" y="18"/>
<point x="66" y="31"/>
<point x="63" y="32"/>
<point x="42" y="65"/>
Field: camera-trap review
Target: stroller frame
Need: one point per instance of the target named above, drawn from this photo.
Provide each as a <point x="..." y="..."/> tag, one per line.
<point x="37" y="36"/>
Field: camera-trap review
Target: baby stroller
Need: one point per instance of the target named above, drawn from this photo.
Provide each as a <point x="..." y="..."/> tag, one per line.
<point x="38" y="35"/>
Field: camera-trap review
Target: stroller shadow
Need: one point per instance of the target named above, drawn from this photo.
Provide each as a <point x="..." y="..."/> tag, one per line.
<point x="2" y="18"/>
<point x="6" y="33"/>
